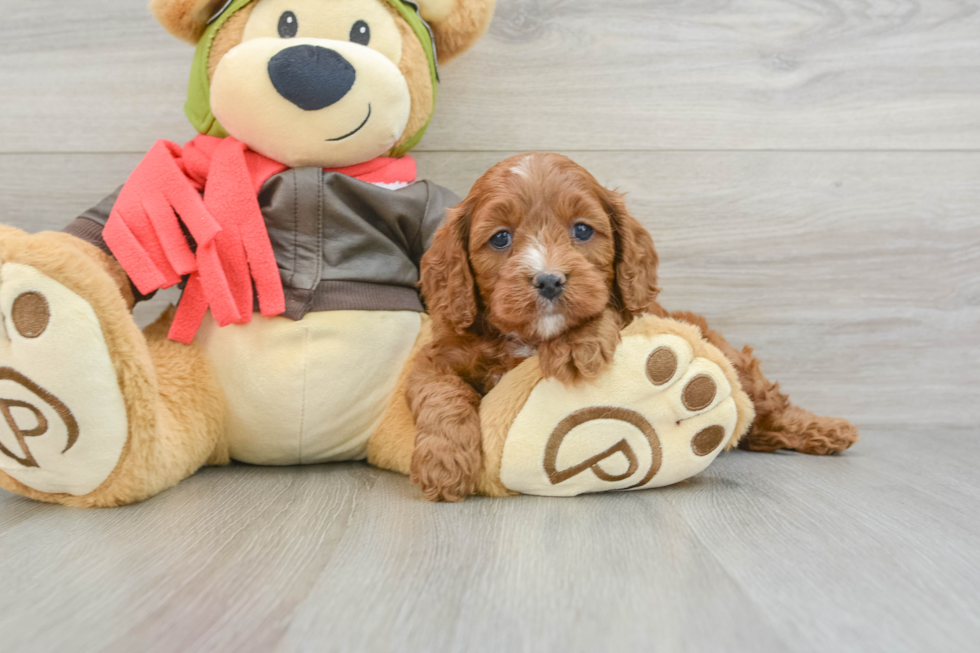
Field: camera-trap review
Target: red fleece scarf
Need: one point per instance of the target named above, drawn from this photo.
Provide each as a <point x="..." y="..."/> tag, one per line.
<point x="162" y="198"/>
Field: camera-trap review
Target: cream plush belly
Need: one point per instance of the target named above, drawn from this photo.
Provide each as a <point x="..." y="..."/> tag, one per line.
<point x="308" y="391"/>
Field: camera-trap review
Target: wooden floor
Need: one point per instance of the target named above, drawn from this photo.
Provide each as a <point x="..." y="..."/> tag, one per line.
<point x="878" y="550"/>
<point x="810" y="170"/>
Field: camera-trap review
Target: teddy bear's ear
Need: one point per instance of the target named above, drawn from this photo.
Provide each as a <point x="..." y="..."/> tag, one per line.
<point x="185" y="19"/>
<point x="456" y="24"/>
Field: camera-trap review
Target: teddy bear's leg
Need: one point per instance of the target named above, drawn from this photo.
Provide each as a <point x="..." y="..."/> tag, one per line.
<point x="669" y="403"/>
<point x="393" y="442"/>
<point x="92" y="413"/>
<point x="779" y="424"/>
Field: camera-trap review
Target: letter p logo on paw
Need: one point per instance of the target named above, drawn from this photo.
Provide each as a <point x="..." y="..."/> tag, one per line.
<point x="631" y="420"/>
<point x="15" y="423"/>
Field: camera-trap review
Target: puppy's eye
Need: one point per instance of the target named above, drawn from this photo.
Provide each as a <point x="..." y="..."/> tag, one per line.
<point x="583" y="232"/>
<point x="288" y="25"/>
<point x="360" y="33"/>
<point x="501" y="240"/>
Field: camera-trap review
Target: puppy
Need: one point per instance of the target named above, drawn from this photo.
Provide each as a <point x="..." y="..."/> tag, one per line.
<point x="538" y="259"/>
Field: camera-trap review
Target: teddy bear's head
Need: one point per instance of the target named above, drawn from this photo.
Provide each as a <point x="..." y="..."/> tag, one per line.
<point x="323" y="83"/>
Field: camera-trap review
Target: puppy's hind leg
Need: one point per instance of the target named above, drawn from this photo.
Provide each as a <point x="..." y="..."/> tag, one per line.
<point x="779" y="424"/>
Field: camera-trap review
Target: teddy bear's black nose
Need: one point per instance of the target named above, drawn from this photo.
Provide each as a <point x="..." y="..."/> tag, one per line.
<point x="311" y="77"/>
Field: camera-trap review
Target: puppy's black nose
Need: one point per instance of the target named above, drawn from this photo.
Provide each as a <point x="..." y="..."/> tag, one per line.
<point x="311" y="77"/>
<point x="549" y="285"/>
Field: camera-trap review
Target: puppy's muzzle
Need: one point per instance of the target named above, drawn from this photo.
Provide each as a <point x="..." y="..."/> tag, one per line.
<point x="550" y="285"/>
<point x="311" y="77"/>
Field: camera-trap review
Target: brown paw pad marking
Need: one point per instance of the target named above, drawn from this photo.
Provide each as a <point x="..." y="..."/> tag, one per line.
<point x="699" y="393"/>
<point x="661" y="365"/>
<point x="707" y="440"/>
<point x="30" y="314"/>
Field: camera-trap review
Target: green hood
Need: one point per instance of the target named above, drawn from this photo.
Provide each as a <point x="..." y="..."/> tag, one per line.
<point x="198" y="106"/>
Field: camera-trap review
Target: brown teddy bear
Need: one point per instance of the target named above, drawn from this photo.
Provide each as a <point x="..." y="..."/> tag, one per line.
<point x="295" y="224"/>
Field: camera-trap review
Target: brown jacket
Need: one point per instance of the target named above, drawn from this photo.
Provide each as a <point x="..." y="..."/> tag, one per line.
<point x="341" y="243"/>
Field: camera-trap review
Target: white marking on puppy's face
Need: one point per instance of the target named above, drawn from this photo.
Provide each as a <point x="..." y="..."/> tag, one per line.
<point x="549" y="326"/>
<point x="535" y="257"/>
<point x="535" y="260"/>
<point x="523" y="167"/>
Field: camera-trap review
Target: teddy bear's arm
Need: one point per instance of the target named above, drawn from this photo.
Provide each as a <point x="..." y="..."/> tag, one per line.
<point x="88" y="227"/>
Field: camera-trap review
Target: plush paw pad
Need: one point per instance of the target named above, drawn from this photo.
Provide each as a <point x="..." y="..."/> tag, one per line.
<point x="62" y="417"/>
<point x="659" y="415"/>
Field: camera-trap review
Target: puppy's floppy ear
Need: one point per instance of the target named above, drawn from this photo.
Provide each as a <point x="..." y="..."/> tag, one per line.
<point x="456" y="24"/>
<point x="636" y="258"/>
<point x="447" y="281"/>
<point x="185" y="19"/>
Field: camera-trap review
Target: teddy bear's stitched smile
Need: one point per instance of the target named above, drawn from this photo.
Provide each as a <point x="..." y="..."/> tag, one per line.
<point x="359" y="128"/>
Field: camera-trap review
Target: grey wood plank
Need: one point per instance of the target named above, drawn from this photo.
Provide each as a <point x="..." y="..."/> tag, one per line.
<point x="100" y="75"/>
<point x="221" y="559"/>
<point x="853" y="274"/>
<point x="761" y="552"/>
<point x="46" y="192"/>
<point x="642" y="74"/>
<point x="832" y="557"/>
<point x="855" y="538"/>
<point x="528" y="574"/>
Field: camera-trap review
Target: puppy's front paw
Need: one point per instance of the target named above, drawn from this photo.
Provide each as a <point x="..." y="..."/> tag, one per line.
<point x="583" y="353"/>
<point x="444" y="470"/>
<point x="592" y="355"/>
<point x="572" y="364"/>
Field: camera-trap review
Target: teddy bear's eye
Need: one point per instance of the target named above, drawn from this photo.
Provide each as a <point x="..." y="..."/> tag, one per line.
<point x="288" y="25"/>
<point x="360" y="33"/>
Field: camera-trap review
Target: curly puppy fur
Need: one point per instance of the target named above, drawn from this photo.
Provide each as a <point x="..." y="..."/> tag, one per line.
<point x="488" y="313"/>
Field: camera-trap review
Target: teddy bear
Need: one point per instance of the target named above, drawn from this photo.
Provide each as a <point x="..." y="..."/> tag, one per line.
<point x="295" y="224"/>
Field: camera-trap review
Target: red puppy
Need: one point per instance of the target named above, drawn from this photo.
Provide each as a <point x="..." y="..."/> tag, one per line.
<point x="541" y="259"/>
